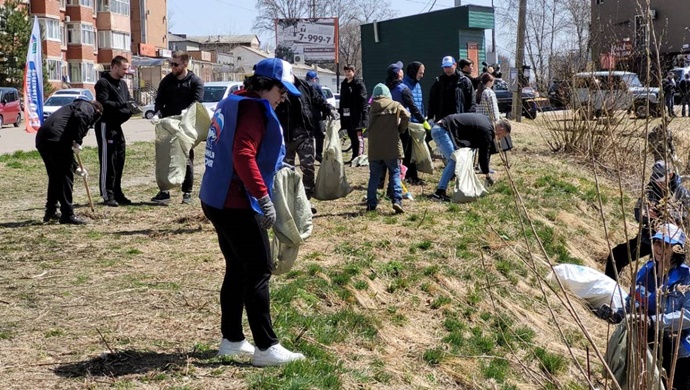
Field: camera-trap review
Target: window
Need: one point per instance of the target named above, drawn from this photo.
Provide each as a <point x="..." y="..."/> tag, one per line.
<point x="82" y="72"/>
<point x="63" y="35"/>
<point x="50" y="29"/>
<point x="114" y="40"/>
<point x="116" y="6"/>
<point x="54" y="68"/>
<point x="81" y="34"/>
<point x="84" y="3"/>
<point x="62" y="4"/>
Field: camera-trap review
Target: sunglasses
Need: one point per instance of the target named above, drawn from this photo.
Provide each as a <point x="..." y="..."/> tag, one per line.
<point x="175" y="64"/>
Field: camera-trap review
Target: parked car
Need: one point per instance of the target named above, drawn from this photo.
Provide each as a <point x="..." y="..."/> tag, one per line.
<point x="54" y="103"/>
<point x="10" y="107"/>
<point x="600" y="93"/>
<point x="328" y="94"/>
<point x="215" y="91"/>
<point x="504" y="95"/>
<point x="336" y="96"/>
<point x="83" y="92"/>
<point x="559" y="93"/>
<point x="147" y="111"/>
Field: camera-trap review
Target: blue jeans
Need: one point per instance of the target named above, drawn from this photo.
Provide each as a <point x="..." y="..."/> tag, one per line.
<point x="445" y="144"/>
<point x="376" y="169"/>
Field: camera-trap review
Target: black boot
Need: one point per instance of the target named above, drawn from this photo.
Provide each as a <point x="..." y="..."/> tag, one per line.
<point x="51" y="214"/>
<point x="72" y="220"/>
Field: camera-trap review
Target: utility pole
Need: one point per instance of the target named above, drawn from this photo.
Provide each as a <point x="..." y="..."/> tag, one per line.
<point x="493" y="33"/>
<point x="313" y="9"/>
<point x="519" y="61"/>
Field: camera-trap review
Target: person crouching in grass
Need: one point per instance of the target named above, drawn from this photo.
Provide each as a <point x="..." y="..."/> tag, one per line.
<point x="387" y="120"/>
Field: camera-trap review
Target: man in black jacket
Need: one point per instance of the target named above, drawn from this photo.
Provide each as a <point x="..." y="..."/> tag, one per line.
<point x="354" y="111"/>
<point x="466" y="66"/>
<point x="451" y="93"/>
<point x="684" y="87"/>
<point x="177" y="91"/>
<point x="468" y="130"/>
<point x="113" y="94"/>
<point x="57" y="141"/>
<point x="299" y="116"/>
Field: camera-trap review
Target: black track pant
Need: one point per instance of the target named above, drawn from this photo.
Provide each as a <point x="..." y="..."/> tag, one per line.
<point x="620" y="255"/>
<point x="59" y="161"/>
<point x="188" y="182"/>
<point x="248" y="268"/>
<point x="111" y="156"/>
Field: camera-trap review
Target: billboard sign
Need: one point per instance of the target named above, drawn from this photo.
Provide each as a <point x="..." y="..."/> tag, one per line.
<point x="307" y="40"/>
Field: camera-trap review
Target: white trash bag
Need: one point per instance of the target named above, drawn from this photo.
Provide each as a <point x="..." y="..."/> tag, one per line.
<point x="589" y="284"/>
<point x="331" y="182"/>
<point x="468" y="187"/>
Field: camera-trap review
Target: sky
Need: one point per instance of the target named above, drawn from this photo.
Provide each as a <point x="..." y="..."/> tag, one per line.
<point x="224" y="17"/>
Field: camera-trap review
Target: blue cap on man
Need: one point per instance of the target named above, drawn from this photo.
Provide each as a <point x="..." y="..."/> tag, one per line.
<point x="311" y="75"/>
<point x="447" y="61"/>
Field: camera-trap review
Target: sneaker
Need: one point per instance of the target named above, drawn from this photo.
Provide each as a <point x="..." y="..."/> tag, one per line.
<point x="275" y="356"/>
<point x="440" y="195"/>
<point x="163" y="197"/>
<point x="123" y="201"/>
<point x="398" y="208"/>
<point x="232" y="348"/>
<point x="72" y="220"/>
<point x="186" y="198"/>
<point x="54" y="215"/>
<point x="111" y="202"/>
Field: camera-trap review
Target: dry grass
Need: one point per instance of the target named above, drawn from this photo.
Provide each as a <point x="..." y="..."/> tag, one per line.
<point x="131" y="300"/>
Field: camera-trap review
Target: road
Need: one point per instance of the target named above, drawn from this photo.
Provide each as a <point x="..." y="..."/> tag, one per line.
<point x="13" y="138"/>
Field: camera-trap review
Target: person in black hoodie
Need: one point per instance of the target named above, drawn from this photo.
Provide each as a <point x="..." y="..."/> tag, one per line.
<point x="57" y="141"/>
<point x="451" y="93"/>
<point x="177" y="91"/>
<point x="466" y="66"/>
<point x="354" y="109"/>
<point x="113" y="94"/>
<point x="299" y="116"/>
<point x="401" y="93"/>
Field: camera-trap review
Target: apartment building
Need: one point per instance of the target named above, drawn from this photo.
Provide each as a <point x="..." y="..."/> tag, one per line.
<point x="622" y="31"/>
<point x="149" y="23"/>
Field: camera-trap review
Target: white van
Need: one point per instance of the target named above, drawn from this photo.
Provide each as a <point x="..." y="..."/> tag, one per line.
<point x="215" y="91"/>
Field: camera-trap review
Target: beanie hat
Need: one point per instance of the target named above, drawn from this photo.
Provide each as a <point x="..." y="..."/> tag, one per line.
<point x="381" y="90"/>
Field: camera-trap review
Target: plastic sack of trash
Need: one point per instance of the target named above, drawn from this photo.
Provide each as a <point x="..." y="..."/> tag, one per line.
<point x="420" y="151"/>
<point x="293" y="219"/>
<point x="175" y="136"/>
<point x="589" y="284"/>
<point x="331" y="181"/>
<point x="468" y="187"/>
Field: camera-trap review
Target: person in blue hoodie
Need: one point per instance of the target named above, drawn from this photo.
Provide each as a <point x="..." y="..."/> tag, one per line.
<point x="244" y="150"/>
<point x="662" y="297"/>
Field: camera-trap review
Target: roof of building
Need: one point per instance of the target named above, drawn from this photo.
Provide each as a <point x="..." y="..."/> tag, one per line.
<point x="257" y="51"/>
<point x="223" y="39"/>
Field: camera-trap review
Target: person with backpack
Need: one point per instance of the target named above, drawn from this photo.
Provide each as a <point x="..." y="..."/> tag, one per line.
<point x="684" y="87"/>
<point x="451" y="93"/>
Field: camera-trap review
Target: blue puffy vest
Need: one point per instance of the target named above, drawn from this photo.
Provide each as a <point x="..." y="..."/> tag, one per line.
<point x="416" y="90"/>
<point x="397" y="91"/>
<point x="221" y="137"/>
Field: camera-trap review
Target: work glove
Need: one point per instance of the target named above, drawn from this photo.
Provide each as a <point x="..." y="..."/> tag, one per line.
<point x="427" y="126"/>
<point x="607" y="313"/>
<point x="268" y="218"/>
<point x="490" y="181"/>
<point x="76" y="148"/>
<point x="81" y="172"/>
<point x="155" y="119"/>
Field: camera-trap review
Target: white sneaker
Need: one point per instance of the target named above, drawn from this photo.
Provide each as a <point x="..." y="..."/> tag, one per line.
<point x="275" y="356"/>
<point x="231" y="348"/>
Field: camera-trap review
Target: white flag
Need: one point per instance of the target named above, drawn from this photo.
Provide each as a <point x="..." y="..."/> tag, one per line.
<point x="33" y="82"/>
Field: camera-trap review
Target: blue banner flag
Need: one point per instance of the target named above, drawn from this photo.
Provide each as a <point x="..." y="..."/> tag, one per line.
<point x="33" y="82"/>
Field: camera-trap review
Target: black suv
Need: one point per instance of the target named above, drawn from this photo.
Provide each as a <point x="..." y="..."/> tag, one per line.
<point x="505" y="99"/>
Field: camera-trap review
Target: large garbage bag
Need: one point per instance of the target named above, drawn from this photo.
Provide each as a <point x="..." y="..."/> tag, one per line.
<point x="420" y="151"/>
<point x="331" y="182"/>
<point x="175" y="137"/>
<point x="468" y="187"/>
<point x="293" y="219"/>
<point x="589" y="284"/>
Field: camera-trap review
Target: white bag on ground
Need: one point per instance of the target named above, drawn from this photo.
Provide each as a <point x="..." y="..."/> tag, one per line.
<point x="420" y="151"/>
<point x="293" y="219"/>
<point x="589" y="284"/>
<point x="468" y="187"/>
<point x="175" y="137"/>
<point x="331" y="182"/>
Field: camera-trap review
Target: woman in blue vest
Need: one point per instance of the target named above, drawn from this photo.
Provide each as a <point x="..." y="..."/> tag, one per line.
<point x="662" y="292"/>
<point x="244" y="149"/>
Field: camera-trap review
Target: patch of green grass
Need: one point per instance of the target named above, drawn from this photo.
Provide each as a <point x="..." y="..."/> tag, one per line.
<point x="14" y="164"/>
<point x="553" y="186"/>
<point x="440" y="301"/>
<point x="21" y="155"/>
<point x="54" y="333"/>
<point x="550" y="362"/>
<point x="361" y="285"/>
<point x="134" y="251"/>
<point x="306" y="374"/>
<point x="496" y="369"/>
<point x="433" y="356"/>
<point x="431" y="270"/>
<point x="479" y="342"/>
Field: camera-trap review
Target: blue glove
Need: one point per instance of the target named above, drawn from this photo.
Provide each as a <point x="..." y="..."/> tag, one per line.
<point x="268" y="218"/>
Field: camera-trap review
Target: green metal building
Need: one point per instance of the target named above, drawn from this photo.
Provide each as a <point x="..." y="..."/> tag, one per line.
<point x="428" y="37"/>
